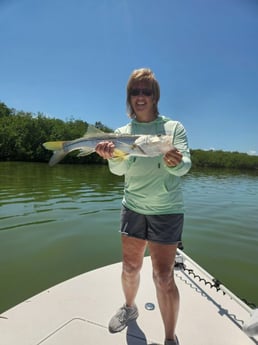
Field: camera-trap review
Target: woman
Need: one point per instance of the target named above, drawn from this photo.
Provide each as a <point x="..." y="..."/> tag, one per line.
<point x="152" y="206"/>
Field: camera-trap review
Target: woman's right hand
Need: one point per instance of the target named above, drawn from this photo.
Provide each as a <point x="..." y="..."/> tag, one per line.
<point x="105" y="149"/>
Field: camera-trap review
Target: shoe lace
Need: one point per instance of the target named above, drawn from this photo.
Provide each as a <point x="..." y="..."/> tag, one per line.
<point x="123" y="315"/>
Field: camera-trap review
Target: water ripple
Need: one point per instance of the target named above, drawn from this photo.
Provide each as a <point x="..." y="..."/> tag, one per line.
<point x="56" y="223"/>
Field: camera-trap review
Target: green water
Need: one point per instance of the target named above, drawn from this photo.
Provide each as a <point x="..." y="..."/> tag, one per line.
<point x="62" y="221"/>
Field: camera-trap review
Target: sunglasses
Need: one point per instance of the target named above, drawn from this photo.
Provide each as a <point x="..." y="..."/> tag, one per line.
<point x="138" y="92"/>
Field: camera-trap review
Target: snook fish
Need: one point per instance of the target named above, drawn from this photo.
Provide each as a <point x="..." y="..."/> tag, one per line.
<point x="125" y="145"/>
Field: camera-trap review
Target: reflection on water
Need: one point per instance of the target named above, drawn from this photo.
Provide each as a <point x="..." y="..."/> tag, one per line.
<point x="62" y="221"/>
<point x="221" y="229"/>
<point x="35" y="188"/>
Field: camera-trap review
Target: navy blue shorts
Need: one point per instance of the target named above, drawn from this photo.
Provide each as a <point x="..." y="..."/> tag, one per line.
<point x="164" y="228"/>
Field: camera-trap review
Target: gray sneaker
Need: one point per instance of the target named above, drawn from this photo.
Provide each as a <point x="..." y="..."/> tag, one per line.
<point x="120" y="320"/>
<point x="172" y="342"/>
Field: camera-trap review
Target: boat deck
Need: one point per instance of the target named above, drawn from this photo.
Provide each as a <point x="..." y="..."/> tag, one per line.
<point x="77" y="312"/>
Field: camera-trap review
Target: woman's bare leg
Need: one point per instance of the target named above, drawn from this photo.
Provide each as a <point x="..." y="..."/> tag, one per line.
<point x="163" y="257"/>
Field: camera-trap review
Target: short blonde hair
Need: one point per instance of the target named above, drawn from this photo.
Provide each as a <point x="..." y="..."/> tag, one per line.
<point x="145" y="75"/>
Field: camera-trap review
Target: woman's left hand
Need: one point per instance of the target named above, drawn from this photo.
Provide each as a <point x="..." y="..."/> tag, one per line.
<point x="173" y="157"/>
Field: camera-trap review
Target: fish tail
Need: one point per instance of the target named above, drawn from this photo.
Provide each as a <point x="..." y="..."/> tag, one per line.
<point x="57" y="157"/>
<point x="59" y="153"/>
<point x="54" y="145"/>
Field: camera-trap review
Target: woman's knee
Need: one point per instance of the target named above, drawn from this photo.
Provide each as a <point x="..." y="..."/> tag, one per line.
<point x="131" y="267"/>
<point x="133" y="254"/>
<point x="164" y="280"/>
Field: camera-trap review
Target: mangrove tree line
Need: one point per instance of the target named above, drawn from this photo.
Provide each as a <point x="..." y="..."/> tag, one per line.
<point x="22" y="135"/>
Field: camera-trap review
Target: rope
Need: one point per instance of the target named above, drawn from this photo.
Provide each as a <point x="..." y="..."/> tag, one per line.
<point x="214" y="284"/>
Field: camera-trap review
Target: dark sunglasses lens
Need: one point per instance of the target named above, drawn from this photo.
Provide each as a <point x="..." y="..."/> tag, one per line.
<point x="137" y="92"/>
<point x="147" y="92"/>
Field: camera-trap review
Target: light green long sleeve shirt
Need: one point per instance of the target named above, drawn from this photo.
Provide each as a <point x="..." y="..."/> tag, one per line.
<point x="151" y="187"/>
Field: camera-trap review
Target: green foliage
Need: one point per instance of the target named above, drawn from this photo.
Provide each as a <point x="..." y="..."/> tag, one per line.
<point x="4" y="110"/>
<point x="223" y="159"/>
<point x="102" y="127"/>
<point x="22" y="135"/>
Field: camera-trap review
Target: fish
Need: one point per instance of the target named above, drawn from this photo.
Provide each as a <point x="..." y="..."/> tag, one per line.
<point x="126" y="145"/>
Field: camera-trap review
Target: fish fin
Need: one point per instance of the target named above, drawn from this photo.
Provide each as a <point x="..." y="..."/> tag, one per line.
<point x="92" y="132"/>
<point x="59" y="153"/>
<point x="54" y="145"/>
<point x="119" y="154"/>
<point x="122" y="149"/>
<point x="57" y="157"/>
<point x="85" y="152"/>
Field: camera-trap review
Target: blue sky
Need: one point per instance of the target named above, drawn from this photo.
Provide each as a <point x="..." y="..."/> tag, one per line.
<point x="72" y="59"/>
